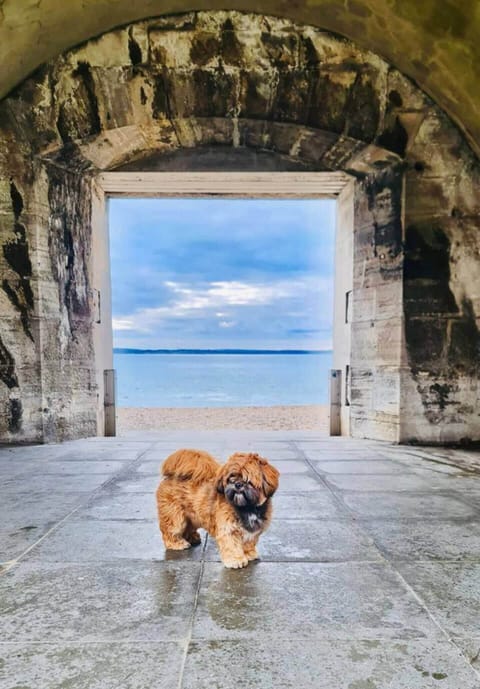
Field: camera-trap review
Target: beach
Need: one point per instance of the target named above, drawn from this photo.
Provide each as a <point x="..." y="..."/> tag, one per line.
<point x="272" y="418"/>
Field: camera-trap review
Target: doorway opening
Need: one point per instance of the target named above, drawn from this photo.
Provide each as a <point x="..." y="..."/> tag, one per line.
<point x="222" y="307"/>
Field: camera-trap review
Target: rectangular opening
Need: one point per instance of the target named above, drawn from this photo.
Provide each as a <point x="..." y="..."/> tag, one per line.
<point x="240" y="187"/>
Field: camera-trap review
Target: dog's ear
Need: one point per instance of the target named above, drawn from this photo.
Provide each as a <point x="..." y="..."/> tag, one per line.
<point x="270" y="479"/>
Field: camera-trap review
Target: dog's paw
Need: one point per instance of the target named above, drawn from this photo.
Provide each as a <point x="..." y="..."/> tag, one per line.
<point x="236" y="564"/>
<point x="181" y="544"/>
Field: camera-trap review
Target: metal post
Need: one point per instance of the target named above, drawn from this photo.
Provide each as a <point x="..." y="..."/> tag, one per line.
<point x="335" y="402"/>
<point x="109" y="402"/>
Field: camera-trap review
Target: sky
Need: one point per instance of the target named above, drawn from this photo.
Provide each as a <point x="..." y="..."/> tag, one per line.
<point x="222" y="273"/>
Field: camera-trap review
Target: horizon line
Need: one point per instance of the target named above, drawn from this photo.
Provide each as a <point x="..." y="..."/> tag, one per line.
<point x="230" y="350"/>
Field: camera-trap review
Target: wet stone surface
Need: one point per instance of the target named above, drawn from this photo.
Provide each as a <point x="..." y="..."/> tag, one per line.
<point x="98" y="602"/>
<point x="326" y="541"/>
<point x="326" y="600"/>
<point x="416" y="539"/>
<point x="367" y="569"/>
<point x="323" y="664"/>
<point x="397" y="505"/>
<point x="123" y="506"/>
<point x="319" y="505"/>
<point x="91" y="666"/>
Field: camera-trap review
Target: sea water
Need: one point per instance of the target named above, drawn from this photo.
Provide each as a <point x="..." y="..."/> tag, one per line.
<point x="221" y="380"/>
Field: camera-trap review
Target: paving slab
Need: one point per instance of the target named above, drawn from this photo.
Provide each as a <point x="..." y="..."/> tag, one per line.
<point x="313" y="505"/>
<point x="311" y="541"/>
<point x="271" y="450"/>
<point x="124" y="601"/>
<point x="423" y="540"/>
<point x="289" y="599"/>
<point x="383" y="482"/>
<point x="106" y="540"/>
<point x="37" y="509"/>
<point x="135" y="482"/>
<point x="451" y="591"/>
<point x="85" y="467"/>
<point x="10" y="470"/>
<point x="59" y="482"/>
<point x="108" y="505"/>
<point x="421" y="465"/>
<point x="400" y="505"/>
<point x="326" y="664"/>
<point x="91" y="666"/>
<point x="81" y="451"/>
<point x="159" y="452"/>
<point x="291" y="466"/>
<point x="15" y="541"/>
<point x="329" y="456"/>
<point x="90" y="452"/>
<point x="336" y="443"/>
<point x="299" y="483"/>
<point x="362" y="466"/>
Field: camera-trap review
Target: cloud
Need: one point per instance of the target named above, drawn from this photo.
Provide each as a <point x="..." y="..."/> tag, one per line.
<point x="208" y="300"/>
<point x="224" y="293"/>
<point x="221" y="273"/>
<point x="123" y="324"/>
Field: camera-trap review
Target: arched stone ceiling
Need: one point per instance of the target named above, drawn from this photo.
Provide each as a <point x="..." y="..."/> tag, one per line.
<point x="435" y="42"/>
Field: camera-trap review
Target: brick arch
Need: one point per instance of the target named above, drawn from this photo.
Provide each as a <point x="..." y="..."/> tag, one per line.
<point x="242" y="83"/>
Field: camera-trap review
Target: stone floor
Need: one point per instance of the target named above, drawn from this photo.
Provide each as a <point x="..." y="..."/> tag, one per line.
<point x="369" y="577"/>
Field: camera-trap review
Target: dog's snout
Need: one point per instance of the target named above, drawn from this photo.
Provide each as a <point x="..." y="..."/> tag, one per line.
<point x="238" y="485"/>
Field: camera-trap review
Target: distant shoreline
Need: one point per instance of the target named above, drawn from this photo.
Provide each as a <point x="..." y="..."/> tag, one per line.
<point x="124" y="350"/>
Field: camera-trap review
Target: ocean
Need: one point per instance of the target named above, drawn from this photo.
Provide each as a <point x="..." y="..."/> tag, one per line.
<point x="221" y="380"/>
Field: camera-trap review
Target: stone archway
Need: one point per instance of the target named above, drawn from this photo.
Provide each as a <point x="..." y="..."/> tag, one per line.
<point x="435" y="44"/>
<point x="244" y="82"/>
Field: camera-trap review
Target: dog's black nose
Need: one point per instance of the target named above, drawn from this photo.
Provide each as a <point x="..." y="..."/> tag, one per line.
<point x="238" y="485"/>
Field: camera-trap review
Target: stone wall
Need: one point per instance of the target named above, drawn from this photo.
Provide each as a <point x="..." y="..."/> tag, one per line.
<point x="377" y="326"/>
<point x="295" y="97"/>
<point x="441" y="380"/>
<point x="20" y="386"/>
<point x="434" y="42"/>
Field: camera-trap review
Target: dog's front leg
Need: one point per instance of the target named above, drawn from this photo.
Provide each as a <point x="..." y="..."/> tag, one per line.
<point x="231" y="551"/>
<point x="250" y="549"/>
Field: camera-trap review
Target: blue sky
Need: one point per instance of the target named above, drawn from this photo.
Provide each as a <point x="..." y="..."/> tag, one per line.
<point x="222" y="273"/>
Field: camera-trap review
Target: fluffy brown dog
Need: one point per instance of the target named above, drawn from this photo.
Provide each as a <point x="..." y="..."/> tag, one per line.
<point x="231" y="501"/>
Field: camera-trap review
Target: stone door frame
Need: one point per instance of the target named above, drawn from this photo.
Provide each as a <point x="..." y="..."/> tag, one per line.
<point x="246" y="185"/>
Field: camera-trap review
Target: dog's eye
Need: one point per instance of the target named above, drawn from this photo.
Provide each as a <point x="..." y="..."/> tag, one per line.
<point x="232" y="479"/>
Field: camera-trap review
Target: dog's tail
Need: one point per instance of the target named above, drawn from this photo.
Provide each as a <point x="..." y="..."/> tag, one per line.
<point x="190" y="465"/>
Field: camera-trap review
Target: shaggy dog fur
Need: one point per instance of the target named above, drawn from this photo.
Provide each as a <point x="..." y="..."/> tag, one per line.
<point x="230" y="501"/>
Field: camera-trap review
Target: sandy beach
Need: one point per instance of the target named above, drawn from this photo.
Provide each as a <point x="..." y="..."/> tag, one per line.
<point x="286" y="418"/>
